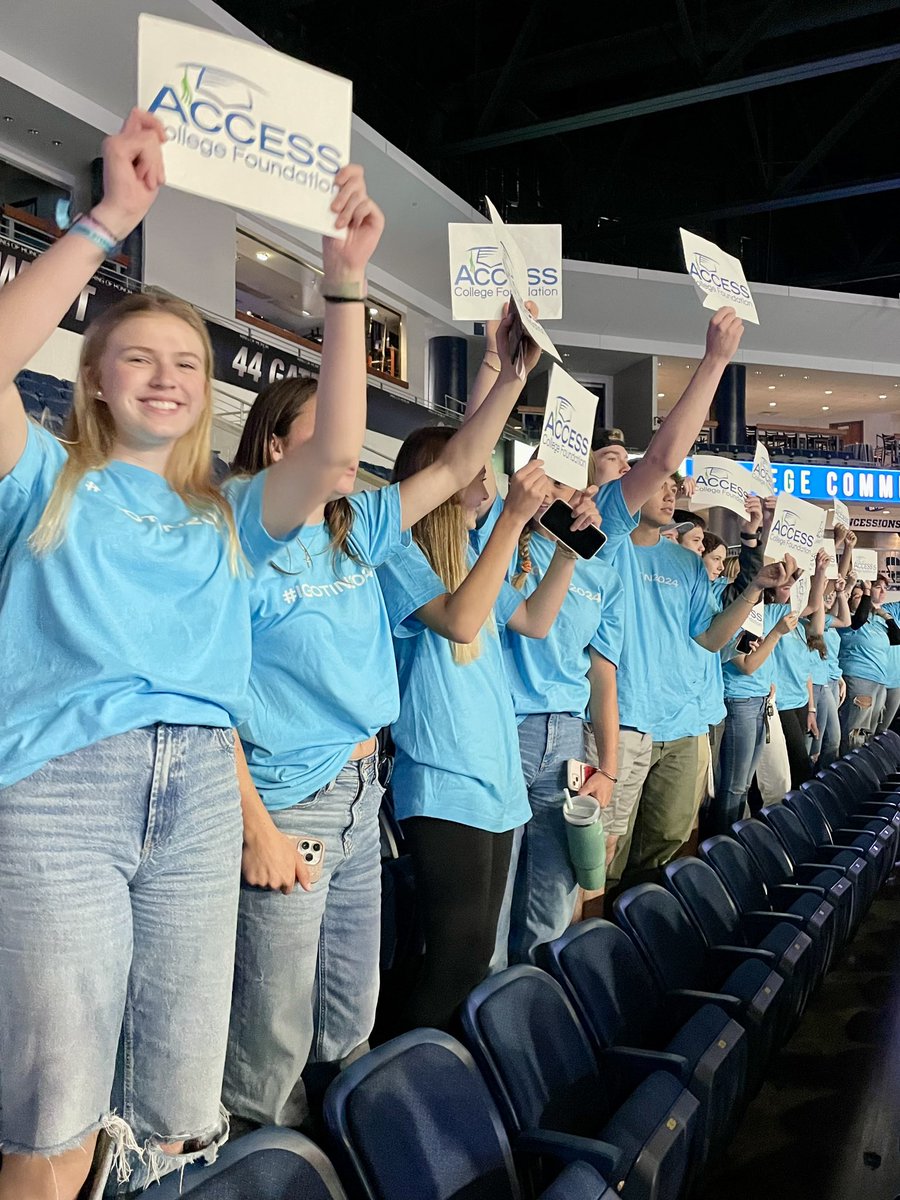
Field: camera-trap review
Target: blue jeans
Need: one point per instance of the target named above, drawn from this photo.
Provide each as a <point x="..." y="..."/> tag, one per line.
<point x="891" y="705"/>
<point x="541" y="892"/>
<point x="853" y="716"/>
<point x="742" y="744"/>
<point x="119" y="878"/>
<point x="306" y="970"/>
<point x="828" y="744"/>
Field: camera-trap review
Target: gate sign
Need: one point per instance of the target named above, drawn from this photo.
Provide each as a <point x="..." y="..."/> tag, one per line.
<point x="568" y="424"/>
<point x="865" y="563"/>
<point x="721" y="483"/>
<point x="245" y="125"/>
<point x="797" y="529"/>
<point x="762" y="471"/>
<point x="478" y="282"/>
<point x="719" y="276"/>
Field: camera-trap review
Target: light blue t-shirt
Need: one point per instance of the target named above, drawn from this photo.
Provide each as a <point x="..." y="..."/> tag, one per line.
<point x="712" y="684"/>
<point x="668" y="602"/>
<point x="864" y="651"/>
<point x="793" y="664"/>
<point x="740" y="686"/>
<point x="135" y="619"/>
<point x="323" y="675"/>
<point x="833" y="643"/>
<point x="457" y="749"/>
<point x="819" y="665"/>
<point x="549" y="675"/>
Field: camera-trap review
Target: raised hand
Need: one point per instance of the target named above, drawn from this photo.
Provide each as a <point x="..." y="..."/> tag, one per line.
<point x="821" y="562"/>
<point x="507" y="367"/>
<point x="133" y="173"/>
<point x="687" y="487"/>
<point x="345" y="259"/>
<point x="768" y="506"/>
<point x="777" y="574"/>
<point x="528" y="489"/>
<point x="754" y="517"/>
<point x="584" y="508"/>
<point x="724" y="335"/>
<point x="787" y="624"/>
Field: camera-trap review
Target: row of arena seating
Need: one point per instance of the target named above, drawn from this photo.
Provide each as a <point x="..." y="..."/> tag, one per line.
<point x="624" y="1065"/>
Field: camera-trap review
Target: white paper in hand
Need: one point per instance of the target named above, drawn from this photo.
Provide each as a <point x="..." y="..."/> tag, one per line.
<point x="568" y="425"/>
<point x="799" y="598"/>
<point x="764" y="480"/>
<point x="479" y="286"/>
<point x="754" y="623"/>
<point x="865" y="564"/>
<point x="245" y="125"/>
<point x="517" y="274"/>
<point x="720" y="483"/>
<point x="841" y="513"/>
<point x="719" y="276"/>
<point x="797" y="529"/>
<point x="831" y="571"/>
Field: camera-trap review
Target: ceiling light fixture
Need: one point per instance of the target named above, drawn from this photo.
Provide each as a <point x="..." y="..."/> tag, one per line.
<point x="825" y="407"/>
<point x="660" y="395"/>
<point x="56" y="142"/>
<point x="771" y="387"/>
<point x="373" y="312"/>
<point x="773" y="403"/>
<point x="33" y="132"/>
<point x="263" y="255"/>
<point x="781" y="375"/>
<point x="884" y="397"/>
<point x="828" y="392"/>
<point x="303" y="312"/>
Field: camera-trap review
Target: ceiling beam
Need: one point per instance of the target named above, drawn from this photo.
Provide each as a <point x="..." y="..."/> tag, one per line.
<point x="846" y="191"/>
<point x="523" y="39"/>
<point x="684" y="99"/>
<point x="753" y="33"/>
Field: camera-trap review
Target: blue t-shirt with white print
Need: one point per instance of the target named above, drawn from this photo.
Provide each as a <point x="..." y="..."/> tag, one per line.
<point x="323" y="676"/>
<point x="457" y="749"/>
<point x="135" y="619"/>
<point x="549" y="675"/>
<point x="864" y="651"/>
<point x="668" y="601"/>
<point x="738" y="684"/>
<point x="792" y="664"/>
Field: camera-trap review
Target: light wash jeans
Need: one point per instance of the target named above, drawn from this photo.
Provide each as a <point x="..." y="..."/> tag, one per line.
<point x="119" y="876"/>
<point x="742" y="745"/>
<point x="541" y="891"/>
<point x="891" y="705"/>
<point x="852" y="716"/>
<point x="306" y="971"/>
<point x="828" y="744"/>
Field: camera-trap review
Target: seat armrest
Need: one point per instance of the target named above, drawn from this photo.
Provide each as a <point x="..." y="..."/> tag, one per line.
<point x="568" y="1147"/>
<point x="787" y="893"/>
<point x="759" y="924"/>
<point x="729" y="958"/>
<point x="682" y="1003"/>
<point x="631" y="1066"/>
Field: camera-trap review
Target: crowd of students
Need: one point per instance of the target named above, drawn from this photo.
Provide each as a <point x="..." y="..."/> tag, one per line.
<point x="194" y="679"/>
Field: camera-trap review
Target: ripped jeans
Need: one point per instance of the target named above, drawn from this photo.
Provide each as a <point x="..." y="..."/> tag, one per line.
<point x="119" y="877"/>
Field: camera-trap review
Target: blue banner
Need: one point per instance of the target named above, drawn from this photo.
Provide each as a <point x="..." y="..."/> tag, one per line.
<point x="850" y="484"/>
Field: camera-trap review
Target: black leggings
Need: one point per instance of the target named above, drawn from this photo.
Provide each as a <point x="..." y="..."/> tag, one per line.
<point x="793" y="722"/>
<point x="461" y="876"/>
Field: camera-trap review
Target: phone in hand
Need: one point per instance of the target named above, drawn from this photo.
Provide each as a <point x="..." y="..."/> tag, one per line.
<point x="558" y="521"/>
<point x="312" y="851"/>
<point x="577" y="774"/>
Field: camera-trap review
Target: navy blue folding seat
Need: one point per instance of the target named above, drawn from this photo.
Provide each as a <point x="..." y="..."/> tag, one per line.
<point x="847" y="814"/>
<point x="624" y="1011"/>
<point x="835" y="881"/>
<point x="800" y="906"/>
<point x="554" y="1098"/>
<point x="864" y="789"/>
<point x="267" y="1164"/>
<point x="878" y="754"/>
<point x="778" y="944"/>
<point x="414" y="1120"/>
<point x="692" y="973"/>
<point x="890" y="740"/>
<point x="852" y="853"/>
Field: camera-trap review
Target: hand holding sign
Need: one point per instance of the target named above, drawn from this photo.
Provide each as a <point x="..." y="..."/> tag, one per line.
<point x="345" y="259"/>
<point x="720" y="483"/>
<point x="568" y="424"/>
<point x="865" y="564"/>
<point x="762" y="471"/>
<point x="777" y="574"/>
<point x="796" y="530"/>
<point x="133" y="173"/>
<point x="719" y="276"/>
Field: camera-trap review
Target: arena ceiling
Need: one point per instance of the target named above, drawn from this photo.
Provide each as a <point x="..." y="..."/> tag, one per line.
<point x="762" y="124"/>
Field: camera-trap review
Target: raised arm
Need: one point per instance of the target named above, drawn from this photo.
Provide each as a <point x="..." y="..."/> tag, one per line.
<point x="485" y="379"/>
<point x="841" y="618"/>
<point x="672" y="442"/>
<point x="309" y="473"/>
<point x="845" y="566"/>
<point x="815" y="608"/>
<point x="752" y="661"/>
<point x="725" y="624"/>
<point x="32" y="304"/>
<point x="459" y="616"/>
<point x="470" y="447"/>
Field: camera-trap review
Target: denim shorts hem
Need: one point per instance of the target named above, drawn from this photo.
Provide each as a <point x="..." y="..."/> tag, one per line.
<point x="8" y="1147"/>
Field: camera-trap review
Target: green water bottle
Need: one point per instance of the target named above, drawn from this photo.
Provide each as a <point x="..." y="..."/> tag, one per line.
<point x="587" y="843"/>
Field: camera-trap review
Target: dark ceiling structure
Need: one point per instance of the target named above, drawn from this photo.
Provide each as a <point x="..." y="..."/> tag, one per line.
<point x="765" y="125"/>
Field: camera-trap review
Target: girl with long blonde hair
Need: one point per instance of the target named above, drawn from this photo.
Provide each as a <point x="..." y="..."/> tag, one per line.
<point x="457" y="781"/>
<point x="324" y="682"/>
<point x="125" y="630"/>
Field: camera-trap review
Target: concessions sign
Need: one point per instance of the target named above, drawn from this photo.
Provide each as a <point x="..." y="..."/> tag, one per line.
<point x="245" y="125"/>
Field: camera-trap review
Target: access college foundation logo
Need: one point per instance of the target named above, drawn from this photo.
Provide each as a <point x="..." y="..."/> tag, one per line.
<point x="560" y="432"/>
<point x="221" y="115"/>
<point x="483" y="275"/>
<point x="704" y="270"/>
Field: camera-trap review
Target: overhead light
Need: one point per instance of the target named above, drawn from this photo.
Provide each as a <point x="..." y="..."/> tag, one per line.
<point x="373" y="312"/>
<point x="33" y="132"/>
<point x="9" y="118"/>
<point x="806" y="377"/>
<point x="56" y="142"/>
<point x="773" y="404"/>
<point x="781" y="375"/>
<point x="303" y="312"/>
<point x="884" y="397"/>
<point x="771" y="387"/>
<point x="757" y="372"/>
<point x="263" y="255"/>
<point x="660" y="395"/>
<point x="687" y="366"/>
<point x="659" y="362"/>
<point x="828" y="392"/>
<point x="566" y="354"/>
<point x="825" y="407"/>
<point x="249" y="313"/>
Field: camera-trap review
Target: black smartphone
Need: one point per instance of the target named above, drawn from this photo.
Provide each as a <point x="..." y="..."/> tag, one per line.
<point x="558" y="521"/>
<point x="746" y="642"/>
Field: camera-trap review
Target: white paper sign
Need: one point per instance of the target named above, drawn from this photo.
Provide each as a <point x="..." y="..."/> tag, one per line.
<point x="720" y="483"/>
<point x="841" y="513"/>
<point x="478" y="283"/>
<point x="799" y="599"/>
<point x="246" y="126"/>
<point x="764" y="484"/>
<point x="865" y="564"/>
<point x="831" y="571"/>
<point x="517" y="275"/>
<point x="797" y="529"/>
<point x="754" y="623"/>
<point x="719" y="276"/>
<point x="568" y="425"/>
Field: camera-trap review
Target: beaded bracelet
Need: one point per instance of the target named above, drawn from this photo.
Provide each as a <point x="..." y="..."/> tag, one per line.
<point x="95" y="231"/>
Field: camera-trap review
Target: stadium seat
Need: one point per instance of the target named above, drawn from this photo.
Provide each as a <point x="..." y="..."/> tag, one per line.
<point x="557" y="1102"/>
<point x="838" y="848"/>
<point x="848" y="824"/>
<point x="267" y="1164"/>
<point x="625" y="1014"/>
<point x="414" y="1120"/>
<point x="691" y="973"/>
<point x="780" y="944"/>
